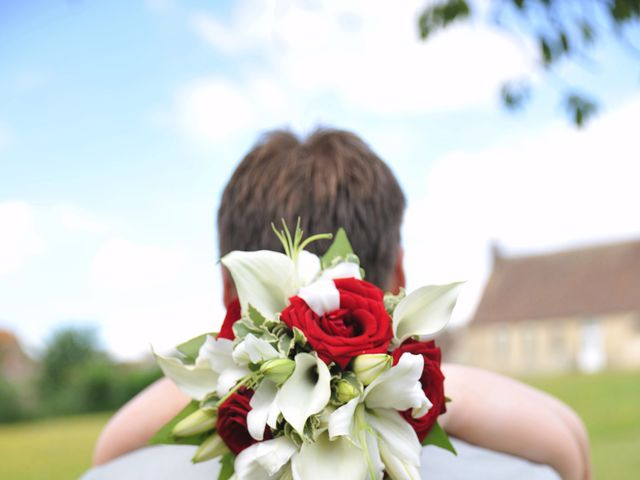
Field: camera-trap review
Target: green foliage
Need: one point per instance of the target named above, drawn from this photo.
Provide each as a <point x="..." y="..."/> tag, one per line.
<point x="227" y="470"/>
<point x="440" y="15"/>
<point x="190" y="348"/>
<point x="164" y="435"/>
<point x="580" y="107"/>
<point x="560" y="29"/>
<point x="77" y="377"/>
<point x="438" y="437"/>
<point x="67" y="349"/>
<point x="10" y="403"/>
<point x="340" y="248"/>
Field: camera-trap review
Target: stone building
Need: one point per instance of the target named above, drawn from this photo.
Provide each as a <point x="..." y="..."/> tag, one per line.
<point x="576" y="310"/>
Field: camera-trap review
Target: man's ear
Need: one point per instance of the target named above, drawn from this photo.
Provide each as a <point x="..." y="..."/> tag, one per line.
<point x="229" y="293"/>
<point x="398" y="278"/>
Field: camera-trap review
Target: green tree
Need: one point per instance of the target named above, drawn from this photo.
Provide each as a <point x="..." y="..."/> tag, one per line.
<point x="561" y="29"/>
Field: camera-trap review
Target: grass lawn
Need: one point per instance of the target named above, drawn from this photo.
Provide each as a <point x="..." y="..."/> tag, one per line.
<point x="609" y="404"/>
<point x="50" y="449"/>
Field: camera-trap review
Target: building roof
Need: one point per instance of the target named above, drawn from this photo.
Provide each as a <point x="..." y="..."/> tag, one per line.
<point x="583" y="282"/>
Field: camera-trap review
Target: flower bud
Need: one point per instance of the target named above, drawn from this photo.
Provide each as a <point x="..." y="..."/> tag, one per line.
<point x="367" y="367"/>
<point x="198" y="422"/>
<point x="212" y="447"/>
<point x="346" y="391"/>
<point x="278" y="370"/>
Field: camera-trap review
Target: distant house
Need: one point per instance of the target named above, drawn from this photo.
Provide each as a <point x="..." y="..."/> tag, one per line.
<point x="559" y="312"/>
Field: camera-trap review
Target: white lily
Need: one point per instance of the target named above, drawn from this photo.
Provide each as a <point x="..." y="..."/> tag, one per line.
<point x="195" y="381"/>
<point x="342" y="270"/>
<point x="267" y="279"/>
<point x="424" y="312"/>
<point x="253" y="350"/>
<point x="306" y="392"/>
<point x="213" y="371"/>
<point x="377" y="410"/>
<point x="327" y="459"/>
<point x="264" y="460"/>
<point x="219" y="352"/>
<point x="310" y="381"/>
<point x="263" y="278"/>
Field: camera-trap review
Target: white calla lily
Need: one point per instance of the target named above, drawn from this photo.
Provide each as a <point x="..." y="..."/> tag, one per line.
<point x="219" y="354"/>
<point x="396" y="432"/>
<point x="399" y="388"/>
<point x="263" y="278"/>
<point x="342" y="420"/>
<point x="195" y="381"/>
<point x="395" y="466"/>
<point x="253" y="350"/>
<point x="306" y="392"/>
<point x="263" y="409"/>
<point x="327" y="460"/>
<point x="321" y="296"/>
<point x="264" y="460"/>
<point x="424" y="312"/>
<point x="307" y="268"/>
<point x="342" y="270"/>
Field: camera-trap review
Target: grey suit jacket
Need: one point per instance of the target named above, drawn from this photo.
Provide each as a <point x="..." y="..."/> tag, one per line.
<point x="173" y="462"/>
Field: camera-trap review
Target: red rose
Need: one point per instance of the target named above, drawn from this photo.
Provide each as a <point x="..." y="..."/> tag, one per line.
<point x="232" y="421"/>
<point x="432" y="381"/>
<point x="233" y="314"/>
<point x="360" y="325"/>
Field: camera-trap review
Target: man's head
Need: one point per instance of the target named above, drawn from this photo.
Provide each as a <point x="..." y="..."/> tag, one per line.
<point x="330" y="180"/>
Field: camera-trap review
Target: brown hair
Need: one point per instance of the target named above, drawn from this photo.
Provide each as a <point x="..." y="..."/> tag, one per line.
<point x="331" y="180"/>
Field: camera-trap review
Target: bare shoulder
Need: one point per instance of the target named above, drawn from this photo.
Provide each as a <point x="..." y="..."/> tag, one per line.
<point x="135" y="423"/>
<point x="503" y="414"/>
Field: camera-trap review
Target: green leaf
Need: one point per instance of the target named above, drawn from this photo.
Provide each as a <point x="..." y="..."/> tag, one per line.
<point x="164" y="435"/>
<point x="256" y="317"/>
<point x="340" y="247"/>
<point x="227" y="469"/>
<point x="190" y="348"/>
<point x="438" y="437"/>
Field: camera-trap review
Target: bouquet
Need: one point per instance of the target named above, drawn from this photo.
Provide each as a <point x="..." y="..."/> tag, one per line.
<point x="315" y="374"/>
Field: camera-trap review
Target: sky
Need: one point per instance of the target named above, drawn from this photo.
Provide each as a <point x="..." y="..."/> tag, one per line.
<point x="120" y="123"/>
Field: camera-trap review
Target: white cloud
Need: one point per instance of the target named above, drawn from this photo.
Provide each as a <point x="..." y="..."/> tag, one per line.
<point x="128" y="266"/>
<point x="19" y="237"/>
<point x="155" y="294"/>
<point x="367" y="53"/>
<point x="553" y="189"/>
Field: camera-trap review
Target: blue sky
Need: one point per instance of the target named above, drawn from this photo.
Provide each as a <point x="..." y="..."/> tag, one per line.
<point x="120" y="123"/>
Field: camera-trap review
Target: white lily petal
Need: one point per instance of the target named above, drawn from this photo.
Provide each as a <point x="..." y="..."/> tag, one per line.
<point x="342" y="270"/>
<point x="396" y="467"/>
<point x="321" y="296"/>
<point x="228" y="379"/>
<point x="396" y="432"/>
<point x="306" y="392"/>
<point x="218" y="352"/>
<point x="424" y="312"/>
<point x="328" y="460"/>
<point x="342" y="421"/>
<point x="196" y="381"/>
<point x="263" y="278"/>
<point x="262" y="404"/>
<point x="308" y="267"/>
<point x="264" y="460"/>
<point x="399" y="387"/>
<point x="253" y="350"/>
